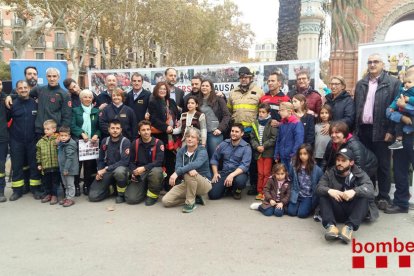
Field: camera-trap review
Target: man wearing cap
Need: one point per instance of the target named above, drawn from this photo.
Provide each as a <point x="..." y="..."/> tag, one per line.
<point x="346" y="195"/>
<point x="242" y="103"/>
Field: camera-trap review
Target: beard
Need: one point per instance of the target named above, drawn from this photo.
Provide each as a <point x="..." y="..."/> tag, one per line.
<point x="342" y="171"/>
<point x="32" y="82"/>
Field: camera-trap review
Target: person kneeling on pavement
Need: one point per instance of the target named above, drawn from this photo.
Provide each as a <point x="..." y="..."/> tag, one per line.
<point x="146" y="157"/>
<point x="346" y="195"/>
<point x="112" y="165"/>
<point x="192" y="169"/>
<point x="236" y="155"/>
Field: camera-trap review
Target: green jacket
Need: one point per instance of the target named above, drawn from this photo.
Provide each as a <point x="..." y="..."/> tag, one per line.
<point x="47" y="153"/>
<point x="77" y="122"/>
<point x="269" y="140"/>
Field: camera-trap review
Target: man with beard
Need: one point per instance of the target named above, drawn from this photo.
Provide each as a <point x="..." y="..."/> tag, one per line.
<point x="175" y="93"/>
<point x="236" y="155"/>
<point x="112" y="165"/>
<point x="243" y="105"/>
<point x="138" y="98"/>
<point x="195" y="90"/>
<point x="346" y="195"/>
<point x="313" y="98"/>
<point x="105" y="97"/>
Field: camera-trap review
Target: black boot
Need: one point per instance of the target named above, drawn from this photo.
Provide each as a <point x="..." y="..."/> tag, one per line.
<point x="26" y="188"/>
<point x="77" y="190"/>
<point x="252" y="190"/>
<point x="17" y="193"/>
<point x="85" y="189"/>
<point x="120" y="198"/>
<point x="2" y="197"/>
<point x="37" y="193"/>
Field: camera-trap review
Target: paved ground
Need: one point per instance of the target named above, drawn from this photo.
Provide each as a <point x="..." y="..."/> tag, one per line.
<point x="223" y="238"/>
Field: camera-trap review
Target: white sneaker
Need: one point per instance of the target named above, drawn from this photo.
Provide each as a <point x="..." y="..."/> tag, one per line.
<point x="255" y="205"/>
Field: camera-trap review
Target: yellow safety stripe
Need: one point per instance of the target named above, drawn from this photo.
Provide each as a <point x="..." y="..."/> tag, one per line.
<point x="245" y="106"/>
<point x="151" y="195"/>
<point x="120" y="190"/>
<point x="34" y="182"/>
<point x="18" y="183"/>
<point x="246" y="124"/>
<point x="25" y="168"/>
<point x="2" y="174"/>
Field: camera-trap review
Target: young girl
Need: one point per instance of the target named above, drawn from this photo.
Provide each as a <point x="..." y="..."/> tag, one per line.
<point x="193" y="117"/>
<point x="305" y="177"/>
<point x="276" y="192"/>
<point x="322" y="137"/>
<point x="308" y="120"/>
<point x="262" y="139"/>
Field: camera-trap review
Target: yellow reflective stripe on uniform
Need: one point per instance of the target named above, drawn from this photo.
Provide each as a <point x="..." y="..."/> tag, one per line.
<point x="246" y="124"/>
<point x="120" y="190"/>
<point x="245" y="106"/>
<point x="34" y="182"/>
<point x="18" y="183"/>
<point x="151" y="195"/>
<point x="25" y="168"/>
<point x="2" y="174"/>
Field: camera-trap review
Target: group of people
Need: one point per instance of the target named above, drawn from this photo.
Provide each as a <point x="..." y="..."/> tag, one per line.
<point x="302" y="152"/>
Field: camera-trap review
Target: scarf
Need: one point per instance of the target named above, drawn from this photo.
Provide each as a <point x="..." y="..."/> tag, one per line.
<point x="87" y="124"/>
<point x="264" y="121"/>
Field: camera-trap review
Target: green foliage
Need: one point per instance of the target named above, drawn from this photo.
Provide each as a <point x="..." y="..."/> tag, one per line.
<point x="4" y="71"/>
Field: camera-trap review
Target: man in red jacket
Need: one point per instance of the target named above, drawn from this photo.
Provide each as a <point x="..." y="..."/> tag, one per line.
<point x="313" y="98"/>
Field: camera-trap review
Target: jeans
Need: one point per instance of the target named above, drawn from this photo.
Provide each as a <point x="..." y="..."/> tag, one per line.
<point x="302" y="208"/>
<point x="217" y="192"/>
<point x="399" y="127"/>
<point x="271" y="211"/>
<point x="253" y="164"/>
<point x="212" y="142"/>
<point x="403" y="158"/>
<point x="51" y="181"/>
<point x="69" y="184"/>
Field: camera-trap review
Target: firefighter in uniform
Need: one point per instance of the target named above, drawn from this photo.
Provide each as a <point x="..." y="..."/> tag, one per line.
<point x="146" y="157"/>
<point x="243" y="103"/>
<point x="23" y="142"/>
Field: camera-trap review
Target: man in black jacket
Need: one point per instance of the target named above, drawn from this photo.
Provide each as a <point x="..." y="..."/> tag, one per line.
<point x="105" y="98"/>
<point x="175" y="93"/>
<point x="195" y="90"/>
<point x="373" y="94"/>
<point x="138" y="98"/>
<point x="346" y="194"/>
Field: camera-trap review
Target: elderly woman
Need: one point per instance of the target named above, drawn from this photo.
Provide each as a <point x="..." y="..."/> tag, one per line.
<point x="85" y="126"/>
<point x="217" y="115"/>
<point x="163" y="116"/>
<point x="341" y="102"/>
<point x="117" y="110"/>
<point x="341" y="138"/>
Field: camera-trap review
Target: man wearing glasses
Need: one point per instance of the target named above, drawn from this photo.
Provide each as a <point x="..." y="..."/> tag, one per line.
<point x="373" y="94"/>
<point x="313" y="98"/>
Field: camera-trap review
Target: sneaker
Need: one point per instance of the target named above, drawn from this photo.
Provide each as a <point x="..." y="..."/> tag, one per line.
<point x="346" y="234"/>
<point x="199" y="200"/>
<point x="237" y="194"/>
<point x="396" y="145"/>
<point x="68" y="202"/>
<point x="149" y="201"/>
<point x="317" y="215"/>
<point x="394" y="209"/>
<point x="53" y="200"/>
<point x="188" y="208"/>
<point x="260" y="196"/>
<point x="255" y="206"/>
<point x="382" y="204"/>
<point x="47" y="198"/>
<point x="331" y="232"/>
<point x="62" y="201"/>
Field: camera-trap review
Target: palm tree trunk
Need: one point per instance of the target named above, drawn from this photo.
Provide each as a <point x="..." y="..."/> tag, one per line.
<point x="288" y="29"/>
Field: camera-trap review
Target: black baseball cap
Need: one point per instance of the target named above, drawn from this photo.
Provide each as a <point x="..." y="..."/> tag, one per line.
<point x="347" y="153"/>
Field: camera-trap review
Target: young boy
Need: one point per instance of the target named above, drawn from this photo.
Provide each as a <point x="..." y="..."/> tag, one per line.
<point x="291" y="135"/>
<point x="404" y="121"/>
<point x="68" y="165"/>
<point x="262" y="139"/>
<point x="47" y="162"/>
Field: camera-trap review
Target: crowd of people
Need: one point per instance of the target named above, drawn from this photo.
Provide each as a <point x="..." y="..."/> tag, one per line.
<point x="303" y="153"/>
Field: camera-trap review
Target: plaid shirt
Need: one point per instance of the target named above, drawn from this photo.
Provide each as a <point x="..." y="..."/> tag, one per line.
<point x="47" y="153"/>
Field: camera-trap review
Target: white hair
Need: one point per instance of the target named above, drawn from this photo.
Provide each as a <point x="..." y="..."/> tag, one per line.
<point x="50" y="69"/>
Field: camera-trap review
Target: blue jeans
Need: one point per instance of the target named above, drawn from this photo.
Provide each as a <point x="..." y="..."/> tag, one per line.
<point x="212" y="142"/>
<point x="402" y="160"/>
<point x="396" y="117"/>
<point x="302" y="208"/>
<point x="218" y="189"/>
<point x="271" y="211"/>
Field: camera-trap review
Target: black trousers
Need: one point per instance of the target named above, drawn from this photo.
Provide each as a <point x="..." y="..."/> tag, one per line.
<point x="383" y="154"/>
<point x="349" y="212"/>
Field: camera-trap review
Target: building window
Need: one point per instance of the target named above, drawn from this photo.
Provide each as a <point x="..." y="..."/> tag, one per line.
<point x="60" y="41"/>
<point x="92" y="63"/>
<point x="40" y="56"/>
<point x="17" y="22"/>
<point x="60" y="56"/>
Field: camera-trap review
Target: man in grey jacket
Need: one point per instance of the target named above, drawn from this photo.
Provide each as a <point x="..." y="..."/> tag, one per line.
<point x="346" y="195"/>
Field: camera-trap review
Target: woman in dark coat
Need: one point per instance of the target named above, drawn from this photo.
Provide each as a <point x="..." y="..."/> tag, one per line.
<point x="341" y="102"/>
<point x="163" y="116"/>
<point x="85" y="126"/>
<point x="341" y="138"/>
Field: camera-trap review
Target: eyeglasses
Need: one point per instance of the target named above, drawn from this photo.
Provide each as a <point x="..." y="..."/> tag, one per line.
<point x="335" y="83"/>
<point x="373" y="62"/>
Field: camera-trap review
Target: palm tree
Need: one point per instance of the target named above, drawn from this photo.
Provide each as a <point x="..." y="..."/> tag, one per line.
<point x="288" y="30"/>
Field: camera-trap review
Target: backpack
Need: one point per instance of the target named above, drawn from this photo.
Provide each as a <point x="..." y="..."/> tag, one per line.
<point x="154" y="149"/>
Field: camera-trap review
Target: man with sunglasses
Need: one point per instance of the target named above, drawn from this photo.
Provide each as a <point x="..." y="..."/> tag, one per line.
<point x="373" y="94"/>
